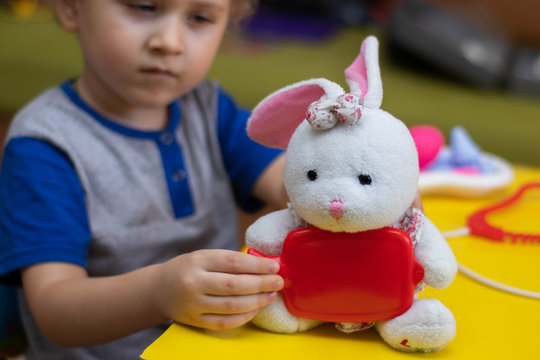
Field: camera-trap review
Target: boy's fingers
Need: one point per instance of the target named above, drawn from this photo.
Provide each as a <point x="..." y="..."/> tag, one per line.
<point x="234" y="284"/>
<point x="230" y="305"/>
<point x="235" y="262"/>
<point x="417" y="202"/>
<point x="224" y="322"/>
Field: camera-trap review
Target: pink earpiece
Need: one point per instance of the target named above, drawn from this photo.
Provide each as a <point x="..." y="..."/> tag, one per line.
<point x="429" y="142"/>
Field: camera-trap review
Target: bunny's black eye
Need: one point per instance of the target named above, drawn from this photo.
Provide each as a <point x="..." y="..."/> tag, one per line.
<point x="312" y="175"/>
<point x="364" y="179"/>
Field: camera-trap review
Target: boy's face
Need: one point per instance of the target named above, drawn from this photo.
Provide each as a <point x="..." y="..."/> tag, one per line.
<point x="146" y="53"/>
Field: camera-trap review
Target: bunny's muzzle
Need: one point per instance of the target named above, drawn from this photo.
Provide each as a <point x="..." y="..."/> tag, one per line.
<point x="336" y="209"/>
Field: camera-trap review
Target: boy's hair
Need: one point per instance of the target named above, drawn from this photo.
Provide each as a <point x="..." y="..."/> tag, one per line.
<point x="241" y="9"/>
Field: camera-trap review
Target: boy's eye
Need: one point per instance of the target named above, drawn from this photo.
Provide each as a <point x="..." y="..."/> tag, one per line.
<point x="144" y="6"/>
<point x="201" y="18"/>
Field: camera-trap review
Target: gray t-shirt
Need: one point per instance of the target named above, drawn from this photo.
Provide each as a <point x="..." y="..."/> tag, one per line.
<point x="148" y="196"/>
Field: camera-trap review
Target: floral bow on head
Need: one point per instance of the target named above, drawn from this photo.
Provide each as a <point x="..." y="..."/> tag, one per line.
<point x="325" y="114"/>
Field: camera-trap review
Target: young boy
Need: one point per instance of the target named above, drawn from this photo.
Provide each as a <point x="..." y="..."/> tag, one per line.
<point x="113" y="183"/>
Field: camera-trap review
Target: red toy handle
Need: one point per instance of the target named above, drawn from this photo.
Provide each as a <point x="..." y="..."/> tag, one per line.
<point x="479" y="226"/>
<point x="347" y="277"/>
<point x="254" y="252"/>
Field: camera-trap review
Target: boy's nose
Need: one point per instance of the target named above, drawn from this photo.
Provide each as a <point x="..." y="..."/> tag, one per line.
<point x="167" y="39"/>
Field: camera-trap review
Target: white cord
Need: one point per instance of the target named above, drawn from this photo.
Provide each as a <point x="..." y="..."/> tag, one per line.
<point x="482" y="279"/>
<point x="464" y="231"/>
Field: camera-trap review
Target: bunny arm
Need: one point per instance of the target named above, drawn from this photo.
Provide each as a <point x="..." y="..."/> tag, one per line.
<point x="268" y="233"/>
<point x="433" y="252"/>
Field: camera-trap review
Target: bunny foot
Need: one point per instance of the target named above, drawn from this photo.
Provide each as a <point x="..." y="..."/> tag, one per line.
<point x="276" y="318"/>
<point x="427" y="326"/>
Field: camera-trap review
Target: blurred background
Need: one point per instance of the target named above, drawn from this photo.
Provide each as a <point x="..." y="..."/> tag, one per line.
<point x="473" y="63"/>
<point x="447" y="63"/>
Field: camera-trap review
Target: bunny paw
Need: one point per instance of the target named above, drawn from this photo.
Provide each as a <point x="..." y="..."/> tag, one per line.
<point x="276" y="318"/>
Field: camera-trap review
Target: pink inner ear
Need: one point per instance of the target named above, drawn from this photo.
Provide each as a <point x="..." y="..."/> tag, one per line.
<point x="357" y="72"/>
<point x="275" y="120"/>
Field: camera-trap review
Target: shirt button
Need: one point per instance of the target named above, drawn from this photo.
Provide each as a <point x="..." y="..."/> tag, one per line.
<point x="179" y="175"/>
<point x="166" y="138"/>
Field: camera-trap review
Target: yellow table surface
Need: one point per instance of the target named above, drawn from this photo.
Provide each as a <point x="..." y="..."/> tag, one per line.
<point x="491" y="324"/>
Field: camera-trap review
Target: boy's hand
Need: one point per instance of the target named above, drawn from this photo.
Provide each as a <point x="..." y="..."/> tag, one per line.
<point x="216" y="289"/>
<point x="417" y="202"/>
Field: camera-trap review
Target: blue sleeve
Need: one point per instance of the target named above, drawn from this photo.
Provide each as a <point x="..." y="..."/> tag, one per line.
<point x="43" y="214"/>
<point x="244" y="159"/>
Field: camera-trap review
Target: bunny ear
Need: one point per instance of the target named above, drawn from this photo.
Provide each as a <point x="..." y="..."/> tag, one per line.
<point x="275" y="118"/>
<point x="364" y="76"/>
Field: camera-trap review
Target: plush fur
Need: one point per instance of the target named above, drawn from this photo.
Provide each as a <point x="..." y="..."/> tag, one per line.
<point x="333" y="140"/>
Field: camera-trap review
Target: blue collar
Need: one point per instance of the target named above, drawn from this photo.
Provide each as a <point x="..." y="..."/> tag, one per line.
<point x="174" y="116"/>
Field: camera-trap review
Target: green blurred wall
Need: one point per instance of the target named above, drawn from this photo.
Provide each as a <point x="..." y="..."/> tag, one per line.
<point x="36" y="54"/>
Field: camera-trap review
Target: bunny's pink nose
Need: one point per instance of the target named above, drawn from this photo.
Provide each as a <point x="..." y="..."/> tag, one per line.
<point x="336" y="209"/>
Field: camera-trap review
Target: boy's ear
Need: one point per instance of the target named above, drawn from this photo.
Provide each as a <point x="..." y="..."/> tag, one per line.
<point x="68" y="14"/>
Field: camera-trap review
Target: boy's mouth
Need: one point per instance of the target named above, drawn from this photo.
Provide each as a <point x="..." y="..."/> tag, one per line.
<point x="159" y="72"/>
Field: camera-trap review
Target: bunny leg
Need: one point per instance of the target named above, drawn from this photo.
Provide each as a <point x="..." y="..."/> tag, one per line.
<point x="276" y="318"/>
<point x="427" y="326"/>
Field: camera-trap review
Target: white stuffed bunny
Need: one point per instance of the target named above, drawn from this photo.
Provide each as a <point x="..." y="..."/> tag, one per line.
<point x="351" y="167"/>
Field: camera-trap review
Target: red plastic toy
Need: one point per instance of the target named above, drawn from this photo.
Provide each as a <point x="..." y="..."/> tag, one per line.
<point x="479" y="226"/>
<point x="348" y="277"/>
